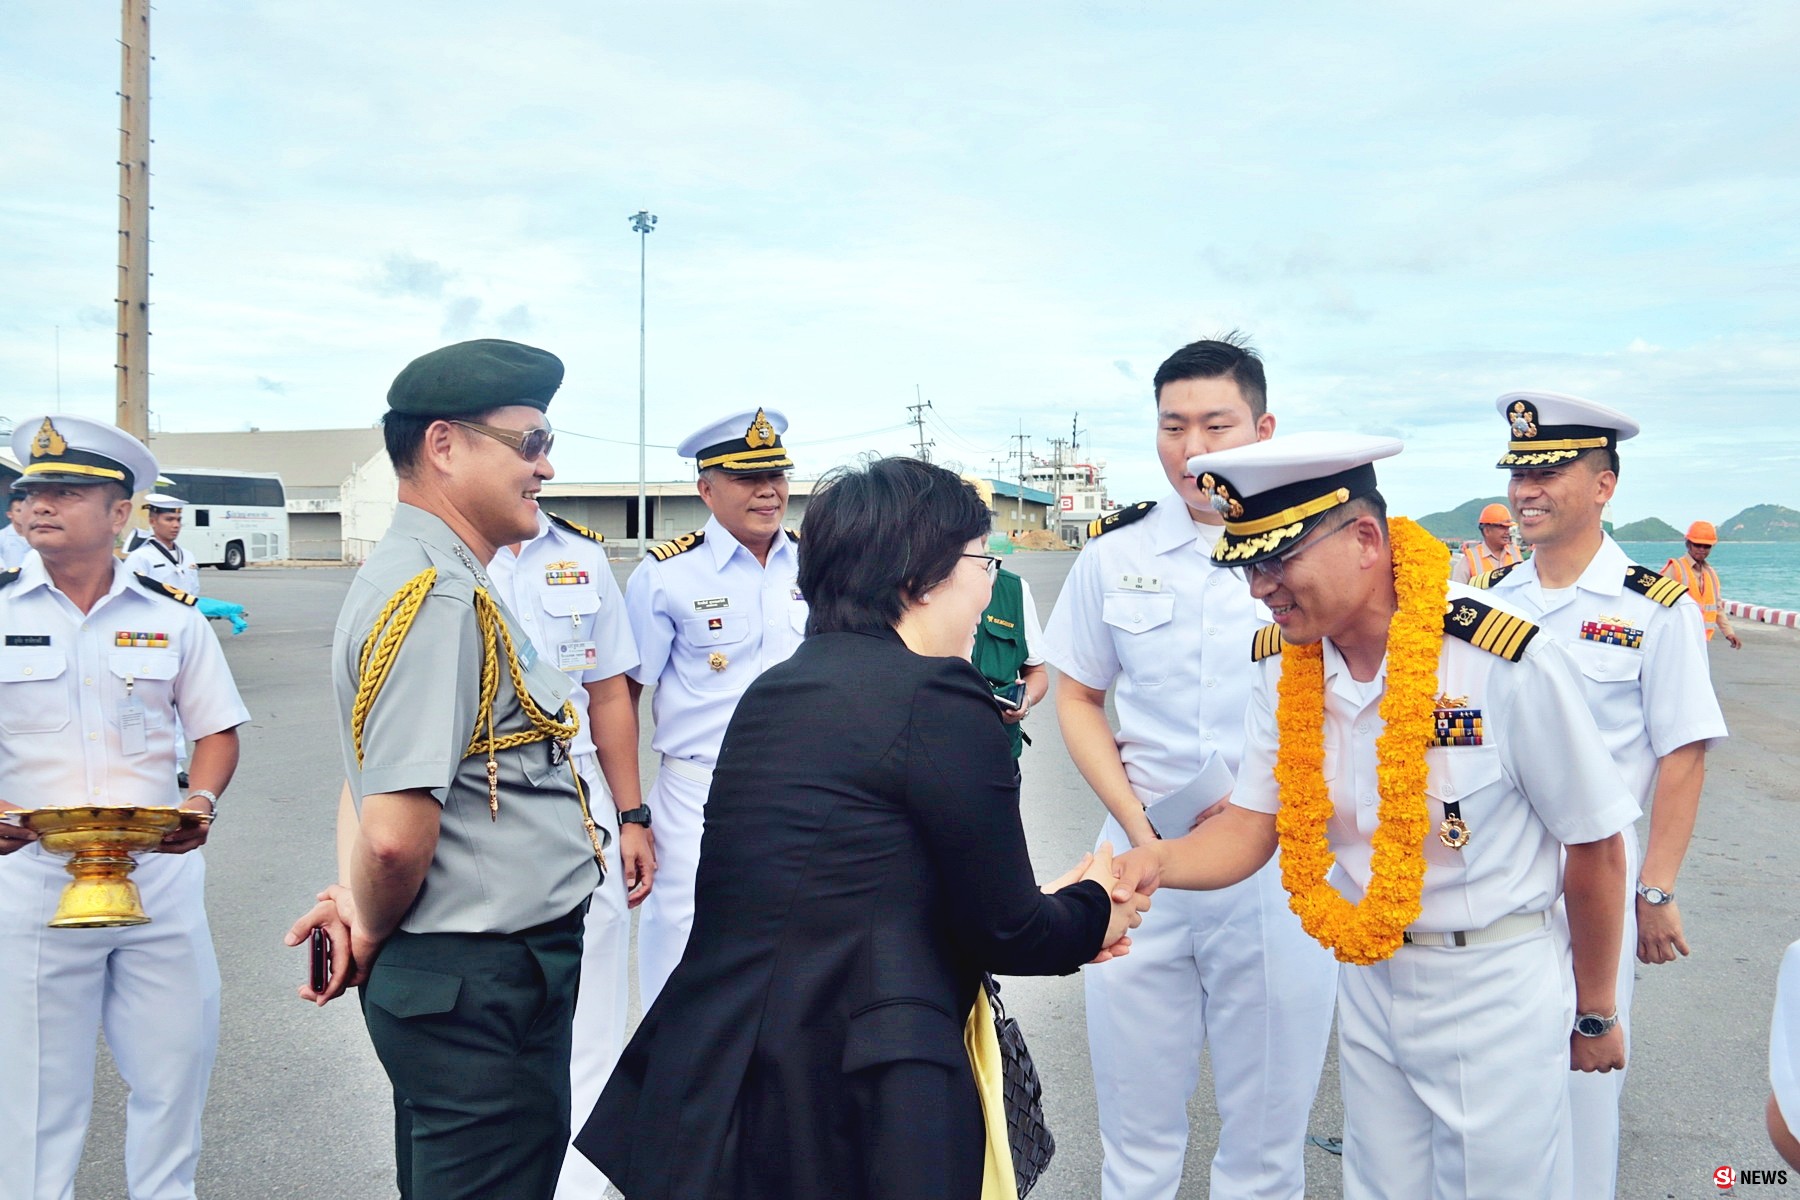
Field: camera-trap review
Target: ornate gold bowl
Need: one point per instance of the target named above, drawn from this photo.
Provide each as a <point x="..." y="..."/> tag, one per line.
<point x="100" y="842"/>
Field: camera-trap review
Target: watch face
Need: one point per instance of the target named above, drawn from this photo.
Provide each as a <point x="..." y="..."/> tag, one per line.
<point x="1655" y="895"/>
<point x="1590" y="1026"/>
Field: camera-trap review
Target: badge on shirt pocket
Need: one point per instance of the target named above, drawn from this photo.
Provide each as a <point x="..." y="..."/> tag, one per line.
<point x="1455" y="723"/>
<point x="577" y="656"/>
<point x="1612" y="631"/>
<point x="564" y="574"/>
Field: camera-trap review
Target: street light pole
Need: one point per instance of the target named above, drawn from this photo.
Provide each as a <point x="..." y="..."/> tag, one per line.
<point x="642" y="222"/>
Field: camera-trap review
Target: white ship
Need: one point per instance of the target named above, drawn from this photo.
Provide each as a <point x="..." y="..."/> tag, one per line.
<point x="1079" y="488"/>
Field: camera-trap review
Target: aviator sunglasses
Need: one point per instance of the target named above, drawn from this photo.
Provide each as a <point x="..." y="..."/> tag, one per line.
<point x="532" y="444"/>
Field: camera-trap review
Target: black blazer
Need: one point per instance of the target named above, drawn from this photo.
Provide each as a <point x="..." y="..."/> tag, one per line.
<point x="863" y="863"/>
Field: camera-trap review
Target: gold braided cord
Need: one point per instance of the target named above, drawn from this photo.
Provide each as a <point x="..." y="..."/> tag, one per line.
<point x="382" y="646"/>
<point x="495" y="635"/>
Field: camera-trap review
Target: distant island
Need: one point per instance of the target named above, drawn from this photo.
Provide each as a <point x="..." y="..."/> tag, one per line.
<point x="1758" y="523"/>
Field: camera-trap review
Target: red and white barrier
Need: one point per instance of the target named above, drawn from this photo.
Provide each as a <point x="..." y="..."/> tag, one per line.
<point x="1768" y="616"/>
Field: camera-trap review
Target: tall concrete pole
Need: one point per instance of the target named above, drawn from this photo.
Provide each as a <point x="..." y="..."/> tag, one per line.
<point x="134" y="221"/>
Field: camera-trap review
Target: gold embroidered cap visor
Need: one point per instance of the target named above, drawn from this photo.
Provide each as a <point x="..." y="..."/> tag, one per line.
<point x="1272" y="494"/>
<point x="1547" y="428"/>
<point x="63" y="449"/>
<point x="744" y="443"/>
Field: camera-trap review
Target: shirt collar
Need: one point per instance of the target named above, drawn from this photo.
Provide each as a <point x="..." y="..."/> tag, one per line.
<point x="33" y="574"/>
<point x="412" y="521"/>
<point x="1338" y="679"/>
<point x="723" y="545"/>
<point x="1605" y="573"/>
<point x="1171" y="528"/>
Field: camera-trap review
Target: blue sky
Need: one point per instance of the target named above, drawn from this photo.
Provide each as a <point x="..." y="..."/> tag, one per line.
<point x="1019" y="209"/>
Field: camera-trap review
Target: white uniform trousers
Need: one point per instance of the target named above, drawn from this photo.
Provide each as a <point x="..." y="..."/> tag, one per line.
<point x="153" y="989"/>
<point x="677" y="803"/>
<point x="605" y="996"/>
<point x="1454" y="1062"/>
<point x="1593" y="1096"/>
<point x="1234" y="970"/>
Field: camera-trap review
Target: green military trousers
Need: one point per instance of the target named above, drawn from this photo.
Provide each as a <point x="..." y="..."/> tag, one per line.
<point x="474" y="1032"/>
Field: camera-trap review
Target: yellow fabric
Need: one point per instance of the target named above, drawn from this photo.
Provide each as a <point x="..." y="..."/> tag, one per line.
<point x="983" y="1045"/>
<point x="1702" y="585"/>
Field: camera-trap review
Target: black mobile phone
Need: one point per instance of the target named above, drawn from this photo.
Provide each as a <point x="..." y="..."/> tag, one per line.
<point x="1012" y="696"/>
<point x="321" y="959"/>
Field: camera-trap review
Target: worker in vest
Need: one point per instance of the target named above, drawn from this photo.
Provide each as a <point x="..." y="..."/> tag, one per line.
<point x="1702" y="579"/>
<point x="1493" y="550"/>
<point x="1008" y="651"/>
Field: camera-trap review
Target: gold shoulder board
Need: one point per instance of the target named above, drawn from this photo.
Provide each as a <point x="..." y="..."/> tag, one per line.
<point x="1660" y="588"/>
<point x="664" y="551"/>
<point x="1489" y="629"/>
<point x="793" y="534"/>
<point x="1267" y="641"/>
<point x="1119" y="518"/>
<point x="572" y="527"/>
<point x="163" y="589"/>
<point x="1488" y="579"/>
<point x="8" y="578"/>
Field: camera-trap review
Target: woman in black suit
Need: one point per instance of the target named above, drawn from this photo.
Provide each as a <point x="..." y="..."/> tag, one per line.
<point x="863" y="864"/>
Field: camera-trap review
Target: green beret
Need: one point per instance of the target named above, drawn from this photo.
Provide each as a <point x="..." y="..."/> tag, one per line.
<point x="472" y="377"/>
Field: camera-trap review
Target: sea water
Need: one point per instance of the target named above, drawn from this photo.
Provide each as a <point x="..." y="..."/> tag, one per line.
<point x="1766" y="573"/>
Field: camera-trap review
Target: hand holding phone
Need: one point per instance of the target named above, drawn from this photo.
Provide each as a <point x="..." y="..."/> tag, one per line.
<point x="1011" y="697"/>
<point x="321" y="959"/>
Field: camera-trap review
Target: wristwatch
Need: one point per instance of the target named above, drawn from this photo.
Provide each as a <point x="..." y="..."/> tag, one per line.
<point x="210" y="799"/>
<point x="1592" y="1025"/>
<point x="1653" y="895"/>
<point x="636" y="816"/>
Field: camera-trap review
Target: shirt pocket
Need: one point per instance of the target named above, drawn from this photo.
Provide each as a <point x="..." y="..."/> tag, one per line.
<point x="1133" y="615"/>
<point x="1609" y="677"/>
<point x="33" y="696"/>
<point x="701" y="641"/>
<point x="1468" y="777"/>
<point x="569" y="601"/>
<point x="152" y="675"/>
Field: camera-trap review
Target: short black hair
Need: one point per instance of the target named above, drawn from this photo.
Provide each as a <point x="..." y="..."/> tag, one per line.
<point x="1374" y="504"/>
<point x="1602" y="458"/>
<point x="404" y="435"/>
<point x="1211" y="358"/>
<point x="880" y="534"/>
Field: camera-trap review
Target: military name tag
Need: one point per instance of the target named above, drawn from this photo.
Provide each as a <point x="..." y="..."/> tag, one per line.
<point x="1140" y="583"/>
<point x="27" y="639"/>
<point x="577" y="656"/>
<point x="715" y="602"/>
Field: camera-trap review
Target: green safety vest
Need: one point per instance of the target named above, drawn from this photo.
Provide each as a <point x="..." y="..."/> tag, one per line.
<point x="1000" y="649"/>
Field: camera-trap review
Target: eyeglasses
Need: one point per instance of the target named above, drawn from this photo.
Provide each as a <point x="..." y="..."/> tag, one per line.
<point x="532" y="444"/>
<point x="1274" y="569"/>
<point x="993" y="563"/>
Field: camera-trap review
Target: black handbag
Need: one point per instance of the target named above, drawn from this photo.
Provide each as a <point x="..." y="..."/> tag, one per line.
<point x="1023" y="1097"/>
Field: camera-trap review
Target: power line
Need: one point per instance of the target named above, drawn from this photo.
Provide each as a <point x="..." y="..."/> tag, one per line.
<point x="917" y="420"/>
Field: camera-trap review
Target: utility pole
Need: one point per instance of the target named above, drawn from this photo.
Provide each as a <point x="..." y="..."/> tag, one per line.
<point x="133" y="363"/>
<point x="917" y="421"/>
<point x="642" y="222"/>
<point x="1019" y="497"/>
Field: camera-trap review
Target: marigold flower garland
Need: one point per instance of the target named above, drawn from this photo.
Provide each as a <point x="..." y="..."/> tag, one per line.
<point x="1371" y="930"/>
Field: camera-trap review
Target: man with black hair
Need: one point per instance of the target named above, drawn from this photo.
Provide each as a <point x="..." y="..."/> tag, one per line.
<point x="13" y="546"/>
<point x="710" y="611"/>
<point x="1146" y="614"/>
<point x="1640" y="643"/>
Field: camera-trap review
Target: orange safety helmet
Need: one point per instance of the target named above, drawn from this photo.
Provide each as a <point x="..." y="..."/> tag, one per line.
<point x="1702" y="533"/>
<point x="1496" y="514"/>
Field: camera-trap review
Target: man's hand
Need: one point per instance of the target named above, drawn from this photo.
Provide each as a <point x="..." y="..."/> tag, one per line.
<point x="1137" y="872"/>
<point x="13" y="837"/>
<point x="1604" y="1053"/>
<point x="1127" y="911"/>
<point x="637" y="859"/>
<point x="1207" y="814"/>
<point x="1012" y="716"/>
<point x="335" y="912"/>
<point x="1732" y="639"/>
<point x="1659" y="932"/>
<point x="186" y="837"/>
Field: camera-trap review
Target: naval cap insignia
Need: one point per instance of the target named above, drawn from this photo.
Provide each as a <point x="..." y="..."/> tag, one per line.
<point x="48" y="441"/>
<point x="760" y="433"/>
<point x="1523" y="419"/>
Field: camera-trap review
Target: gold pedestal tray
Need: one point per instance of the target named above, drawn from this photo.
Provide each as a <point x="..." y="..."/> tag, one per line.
<point x="100" y="842"/>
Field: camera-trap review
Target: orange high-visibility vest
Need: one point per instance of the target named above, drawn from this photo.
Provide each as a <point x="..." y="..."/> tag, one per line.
<point x="1702" y="584"/>
<point x="1481" y="560"/>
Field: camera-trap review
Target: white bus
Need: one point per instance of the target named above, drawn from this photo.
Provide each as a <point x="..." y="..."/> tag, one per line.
<point x="232" y="517"/>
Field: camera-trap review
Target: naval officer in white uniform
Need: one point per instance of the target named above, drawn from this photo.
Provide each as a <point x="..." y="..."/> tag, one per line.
<point x="13" y="546"/>
<point x="95" y="664"/>
<point x="160" y="556"/>
<point x="561" y="592"/>
<point x="1640" y="642"/>
<point x="710" y="611"/>
<point x="1455" y="1037"/>
<point x="1146" y="613"/>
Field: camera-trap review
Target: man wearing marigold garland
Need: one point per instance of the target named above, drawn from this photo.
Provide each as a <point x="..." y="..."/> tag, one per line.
<point x="1639" y="642"/>
<point x="1146" y="613"/>
<point x="1435" y="755"/>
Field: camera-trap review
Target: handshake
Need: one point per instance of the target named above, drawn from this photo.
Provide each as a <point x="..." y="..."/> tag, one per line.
<point x="1128" y="882"/>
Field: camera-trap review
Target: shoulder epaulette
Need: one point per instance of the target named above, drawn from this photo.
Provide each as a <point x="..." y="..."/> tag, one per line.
<point x="1488" y="579"/>
<point x="1119" y="518"/>
<point x="1660" y="588"/>
<point x="8" y="578"/>
<point x="793" y="534"/>
<point x="572" y="527"/>
<point x="1489" y="629"/>
<point x="1267" y="641"/>
<point x="664" y="551"/>
<point x="163" y="589"/>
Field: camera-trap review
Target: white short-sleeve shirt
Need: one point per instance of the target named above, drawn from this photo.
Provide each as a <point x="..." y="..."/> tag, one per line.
<point x="1539" y="779"/>
<point x="1145" y="612"/>
<point x="1643" y="665"/>
<point x="175" y="567"/>
<point x="707" y="622"/>
<point x="560" y="591"/>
